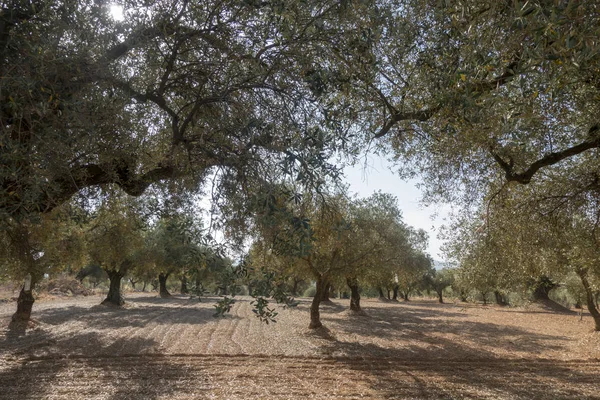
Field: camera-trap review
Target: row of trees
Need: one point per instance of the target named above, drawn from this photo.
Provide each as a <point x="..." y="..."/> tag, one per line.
<point x="339" y="242"/>
<point x="121" y="236"/>
<point x="537" y="237"/>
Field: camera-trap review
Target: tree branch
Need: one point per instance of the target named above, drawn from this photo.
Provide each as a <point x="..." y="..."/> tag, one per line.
<point x="422" y="115"/>
<point x="524" y="177"/>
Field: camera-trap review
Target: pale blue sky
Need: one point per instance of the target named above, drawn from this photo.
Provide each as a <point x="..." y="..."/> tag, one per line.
<point x="378" y="176"/>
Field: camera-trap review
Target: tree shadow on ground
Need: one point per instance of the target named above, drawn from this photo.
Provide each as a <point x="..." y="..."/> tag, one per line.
<point x="500" y="378"/>
<point x="434" y="333"/>
<point x="39" y="376"/>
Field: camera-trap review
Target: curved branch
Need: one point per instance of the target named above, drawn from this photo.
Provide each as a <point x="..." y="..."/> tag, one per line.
<point x="421" y="115"/>
<point x="548" y="160"/>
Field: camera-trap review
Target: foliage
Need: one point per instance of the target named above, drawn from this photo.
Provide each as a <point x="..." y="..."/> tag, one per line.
<point x="49" y="244"/>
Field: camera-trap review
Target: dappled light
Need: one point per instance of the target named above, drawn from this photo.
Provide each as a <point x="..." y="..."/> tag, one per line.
<point x="176" y="222"/>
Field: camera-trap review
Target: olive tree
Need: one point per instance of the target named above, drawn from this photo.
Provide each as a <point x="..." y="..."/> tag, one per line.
<point x="176" y="91"/>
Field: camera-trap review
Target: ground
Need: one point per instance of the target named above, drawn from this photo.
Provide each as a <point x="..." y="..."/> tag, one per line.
<point x="174" y="349"/>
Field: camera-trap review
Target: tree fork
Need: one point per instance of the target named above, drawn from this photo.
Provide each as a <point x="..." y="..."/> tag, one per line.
<point x="114" y="296"/>
<point x="162" y="280"/>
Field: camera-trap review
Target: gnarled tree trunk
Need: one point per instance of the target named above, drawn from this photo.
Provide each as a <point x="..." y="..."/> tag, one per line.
<point x="440" y="298"/>
<point x="294" y="290"/>
<point x="25" y="301"/>
<point x="184" y="288"/>
<point x="315" y="316"/>
<point x="395" y="295"/>
<point x="352" y="283"/>
<point x="114" y="295"/>
<point x="162" y="282"/>
<point x="589" y="294"/>
<point x="133" y="282"/>
<point x="542" y="288"/>
<point x="500" y="300"/>
<point x="326" y="292"/>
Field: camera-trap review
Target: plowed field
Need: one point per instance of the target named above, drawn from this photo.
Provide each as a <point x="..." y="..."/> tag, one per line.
<point x="174" y="349"/>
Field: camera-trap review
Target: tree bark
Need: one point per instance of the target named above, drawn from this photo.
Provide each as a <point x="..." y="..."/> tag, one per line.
<point x="388" y="294"/>
<point x="589" y="294"/>
<point x="25" y="301"/>
<point x="295" y="286"/>
<point x="315" y="316"/>
<point x="543" y="287"/>
<point x="381" y="295"/>
<point x="500" y="300"/>
<point x="395" y="295"/>
<point x="132" y="283"/>
<point x="184" y="288"/>
<point x="325" y="292"/>
<point x="355" y="294"/>
<point x="162" y="281"/>
<point x="440" y="298"/>
<point x="144" y="287"/>
<point x="114" y="295"/>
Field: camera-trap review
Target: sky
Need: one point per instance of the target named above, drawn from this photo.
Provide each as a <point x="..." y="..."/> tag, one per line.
<point x="377" y="176"/>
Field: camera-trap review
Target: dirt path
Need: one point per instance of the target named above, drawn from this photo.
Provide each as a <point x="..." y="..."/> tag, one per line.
<point x="174" y="349"/>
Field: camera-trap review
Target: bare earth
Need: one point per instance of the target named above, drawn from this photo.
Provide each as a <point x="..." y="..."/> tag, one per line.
<point x="174" y="349"/>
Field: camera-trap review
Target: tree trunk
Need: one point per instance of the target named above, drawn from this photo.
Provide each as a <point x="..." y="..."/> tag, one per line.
<point x="132" y="283"/>
<point x="589" y="294"/>
<point x="484" y="296"/>
<point x="355" y="294"/>
<point x="162" y="281"/>
<point x="315" y="316"/>
<point x="388" y="294"/>
<point x="184" y="288"/>
<point x="114" y="295"/>
<point x="543" y="286"/>
<point x="405" y="295"/>
<point x="325" y="292"/>
<point x="381" y="295"/>
<point x="332" y="292"/>
<point x="25" y="301"/>
<point x="440" y="298"/>
<point x="499" y="298"/>
<point x="295" y="286"/>
<point x="144" y="287"/>
<point x="395" y="296"/>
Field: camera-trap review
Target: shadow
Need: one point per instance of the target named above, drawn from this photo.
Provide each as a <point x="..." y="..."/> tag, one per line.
<point x="417" y="352"/>
<point x="104" y="317"/>
<point x="499" y="378"/>
<point x="17" y="329"/>
<point x="331" y="305"/>
<point x="39" y="375"/>
<point x="432" y="333"/>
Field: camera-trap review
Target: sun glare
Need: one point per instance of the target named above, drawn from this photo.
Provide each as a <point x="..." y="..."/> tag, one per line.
<point x="117" y="12"/>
